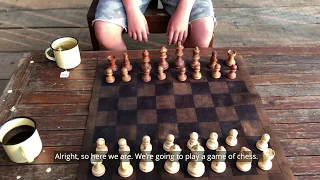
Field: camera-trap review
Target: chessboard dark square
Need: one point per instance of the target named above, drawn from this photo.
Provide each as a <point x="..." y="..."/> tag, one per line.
<point x="166" y="116"/>
<point x="108" y="104"/>
<point x="237" y="172"/>
<point x="206" y="114"/>
<point x="167" y="128"/>
<point x="164" y="89"/>
<point x="203" y="101"/>
<point x="241" y="99"/>
<point x="128" y="90"/>
<point x="226" y="174"/>
<point x="147" y="102"/>
<point x="206" y="128"/>
<point x="129" y="132"/>
<point x="182" y="89"/>
<point x="109" y="91"/>
<point x="218" y="87"/>
<point x="133" y="81"/>
<point x="165" y="102"/>
<point x="226" y="126"/>
<point x="226" y="113"/>
<point x="252" y="140"/>
<point x="147" y="129"/>
<point x="184" y="101"/>
<point x="148" y="116"/>
<point x="127" y="103"/>
<point x="186" y="115"/>
<point x="200" y="88"/>
<point x="222" y="100"/>
<point x="146" y="90"/>
<point x="247" y="112"/>
<point x="106" y="118"/>
<point x="106" y="132"/>
<point x="126" y="117"/>
<point x="185" y="129"/>
<point x="242" y="142"/>
<point x="237" y="86"/>
<point x="252" y="128"/>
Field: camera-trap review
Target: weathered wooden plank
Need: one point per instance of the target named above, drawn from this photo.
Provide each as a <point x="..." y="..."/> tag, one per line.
<point x="301" y="102"/>
<point x="289" y="90"/>
<point x="58" y="171"/>
<point x="301" y="147"/>
<point x="289" y="131"/>
<point x="46" y="156"/>
<point x="3" y="85"/>
<point x="55" y="97"/>
<point x="62" y="138"/>
<point x="46" y="4"/>
<point x="80" y="109"/>
<point x="61" y="122"/>
<point x="57" y="85"/>
<point x="279" y="116"/>
<point x="280" y="79"/>
<point x="307" y="177"/>
<point x="54" y="74"/>
<point x="45" y="65"/>
<point x="285" y="69"/>
<point x="305" y="165"/>
<point x="281" y="60"/>
<point x="8" y="64"/>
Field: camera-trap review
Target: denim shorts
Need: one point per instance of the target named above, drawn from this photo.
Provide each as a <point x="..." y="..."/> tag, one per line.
<point x="113" y="11"/>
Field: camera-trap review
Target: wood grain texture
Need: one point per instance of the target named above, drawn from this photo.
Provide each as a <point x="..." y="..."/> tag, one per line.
<point x="56" y="97"/>
<point x="260" y="61"/>
<point x="53" y="74"/>
<point x="305" y="165"/>
<point x="282" y="79"/>
<point x="62" y="138"/>
<point x="291" y="102"/>
<point x="57" y="85"/>
<point x="61" y="122"/>
<point x="288" y="69"/>
<point x="301" y="147"/>
<point x="8" y="64"/>
<point x="287" y="116"/>
<point x="46" y="4"/>
<point x="289" y="90"/>
<point x="291" y="131"/>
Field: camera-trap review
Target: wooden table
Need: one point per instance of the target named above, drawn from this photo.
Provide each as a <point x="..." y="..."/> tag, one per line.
<point x="284" y="77"/>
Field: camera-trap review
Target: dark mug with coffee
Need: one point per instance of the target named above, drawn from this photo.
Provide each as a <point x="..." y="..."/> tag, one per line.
<point x="20" y="139"/>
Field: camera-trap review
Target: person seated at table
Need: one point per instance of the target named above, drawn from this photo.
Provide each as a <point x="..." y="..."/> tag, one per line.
<point x="192" y="21"/>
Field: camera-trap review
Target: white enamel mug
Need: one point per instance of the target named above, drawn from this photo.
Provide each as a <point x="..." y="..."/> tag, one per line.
<point x="24" y="148"/>
<point x="66" y="52"/>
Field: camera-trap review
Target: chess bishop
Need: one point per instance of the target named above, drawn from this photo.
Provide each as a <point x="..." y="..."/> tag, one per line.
<point x="196" y="167"/>
<point x="219" y="165"/>
<point x="172" y="165"/>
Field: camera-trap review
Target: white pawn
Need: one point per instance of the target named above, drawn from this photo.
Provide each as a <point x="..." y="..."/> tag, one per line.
<point x="219" y="166"/>
<point x="101" y="146"/>
<point x="196" y="167"/>
<point x="244" y="162"/>
<point x="232" y="138"/>
<point x="98" y="168"/>
<point x="267" y="156"/>
<point x="193" y="140"/>
<point x="146" y="165"/>
<point x="172" y="165"/>
<point x="262" y="144"/>
<point x="169" y="142"/>
<point x="212" y="142"/>
<point x="125" y="169"/>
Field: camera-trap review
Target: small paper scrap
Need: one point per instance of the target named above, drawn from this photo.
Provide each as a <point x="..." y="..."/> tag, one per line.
<point x="48" y="170"/>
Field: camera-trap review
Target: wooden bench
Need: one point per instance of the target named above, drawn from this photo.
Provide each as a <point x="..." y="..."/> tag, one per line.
<point x="157" y="21"/>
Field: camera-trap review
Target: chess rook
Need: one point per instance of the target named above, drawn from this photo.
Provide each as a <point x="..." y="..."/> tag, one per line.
<point x="101" y="146"/>
<point x="98" y="169"/>
<point x="193" y="140"/>
<point x="232" y="74"/>
<point x="244" y="161"/>
<point x="163" y="57"/>
<point x="126" y="62"/>
<point x="182" y="75"/>
<point x="169" y="142"/>
<point x="213" y="60"/>
<point x="110" y="78"/>
<point x="219" y="165"/>
<point x="146" y="59"/>
<point x="196" y="167"/>
<point x="195" y="58"/>
<point x="161" y="75"/>
<point x="216" y="73"/>
<point x="232" y="138"/>
<point x="265" y="163"/>
<point x="212" y="142"/>
<point x="262" y="144"/>
<point x="112" y="63"/>
<point x="146" y="76"/>
<point x="231" y="55"/>
<point x="172" y="165"/>
<point x="197" y="74"/>
<point x="179" y="62"/>
<point x="125" y="75"/>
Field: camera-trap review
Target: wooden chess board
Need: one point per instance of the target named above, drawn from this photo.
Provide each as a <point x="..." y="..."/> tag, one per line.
<point x="158" y="108"/>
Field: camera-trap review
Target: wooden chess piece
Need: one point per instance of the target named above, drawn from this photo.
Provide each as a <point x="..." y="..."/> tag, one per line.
<point x="125" y="169"/>
<point x="169" y="142"/>
<point x="216" y="73"/>
<point x="193" y="140"/>
<point x="232" y="140"/>
<point x="146" y="165"/>
<point x="182" y="75"/>
<point x="231" y="55"/>
<point x="262" y="144"/>
<point x="179" y="62"/>
<point x="101" y="146"/>
<point x="197" y="74"/>
<point x="163" y="57"/>
<point x="195" y="58"/>
<point x="172" y="164"/>
<point x="161" y="75"/>
<point x="212" y="142"/>
<point x="126" y="62"/>
<point x="218" y="165"/>
<point x="146" y="76"/>
<point x="196" y="167"/>
<point x="265" y="163"/>
<point x="213" y="60"/>
<point x="244" y="159"/>
<point x="98" y="169"/>
<point x="125" y="75"/>
<point x="232" y="74"/>
<point x="146" y="59"/>
<point x="112" y="63"/>
<point x="110" y="78"/>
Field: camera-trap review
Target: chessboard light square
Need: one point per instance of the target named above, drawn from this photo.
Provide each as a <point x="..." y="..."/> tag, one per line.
<point x="128" y="90"/>
<point x="206" y="114"/>
<point x="247" y="112"/>
<point x="167" y="128"/>
<point x="146" y="102"/>
<point x="164" y="89"/>
<point x="227" y="113"/>
<point x="127" y="103"/>
<point x="165" y="102"/>
<point x="252" y="128"/>
<point x="184" y="101"/>
<point x="237" y="87"/>
<point x="148" y="116"/>
<point x="222" y="100"/>
<point x="206" y="128"/>
<point x="203" y="101"/>
<point x="182" y="89"/>
<point x="106" y="118"/>
<point x="109" y="91"/>
<point x="241" y="99"/>
<point x="146" y="90"/>
<point x="185" y="129"/>
<point x="166" y="116"/>
<point x="129" y="132"/>
<point x="186" y="115"/>
<point x="126" y="117"/>
<point x="108" y="104"/>
<point x="218" y="87"/>
<point x="200" y="88"/>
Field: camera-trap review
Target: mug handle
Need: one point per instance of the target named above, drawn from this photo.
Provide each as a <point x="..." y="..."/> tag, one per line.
<point x="29" y="159"/>
<point x="48" y="56"/>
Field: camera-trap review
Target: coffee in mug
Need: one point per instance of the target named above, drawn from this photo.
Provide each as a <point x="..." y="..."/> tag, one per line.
<point x="66" y="52"/>
<point x="20" y="139"/>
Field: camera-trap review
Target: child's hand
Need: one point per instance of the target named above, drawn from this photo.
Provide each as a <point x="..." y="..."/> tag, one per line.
<point x="177" y="29"/>
<point x="137" y="26"/>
